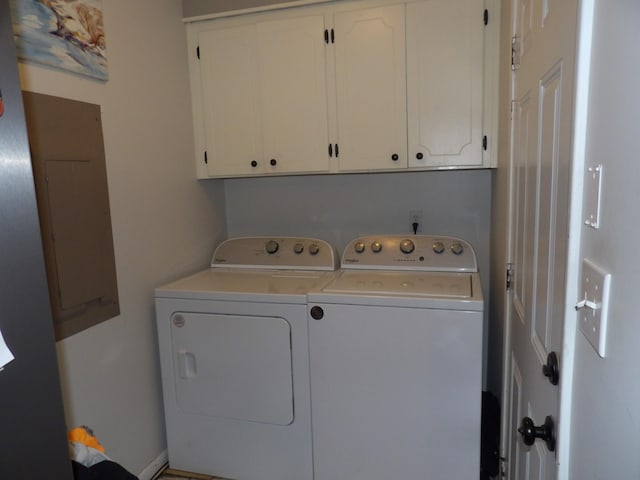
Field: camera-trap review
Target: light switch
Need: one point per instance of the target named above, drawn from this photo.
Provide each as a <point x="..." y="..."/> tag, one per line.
<point x="592" y="188"/>
<point x="593" y="307"/>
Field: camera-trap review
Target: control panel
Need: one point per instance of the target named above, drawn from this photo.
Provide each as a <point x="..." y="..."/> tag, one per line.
<point x="284" y="253"/>
<point x="415" y="252"/>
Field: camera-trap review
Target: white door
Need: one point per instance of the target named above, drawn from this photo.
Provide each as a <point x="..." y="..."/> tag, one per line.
<point x="444" y="82"/>
<point x="293" y="94"/>
<point x="371" y="88"/>
<point x="230" y="101"/>
<point x="544" y="51"/>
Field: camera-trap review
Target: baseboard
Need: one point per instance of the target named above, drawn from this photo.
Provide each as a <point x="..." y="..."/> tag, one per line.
<point x="150" y="472"/>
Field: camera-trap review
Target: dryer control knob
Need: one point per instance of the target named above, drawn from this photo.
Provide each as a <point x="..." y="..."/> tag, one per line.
<point x="457" y="248"/>
<point x="298" y="248"/>
<point x="376" y="247"/>
<point x="407" y="246"/>
<point x="314" y="248"/>
<point x="271" y="247"/>
<point x="438" y="247"/>
<point x="359" y="247"/>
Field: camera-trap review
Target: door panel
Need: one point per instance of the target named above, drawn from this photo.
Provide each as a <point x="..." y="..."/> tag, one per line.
<point x="395" y="393"/>
<point x="444" y="82"/>
<point x="371" y="88"/>
<point x="230" y="102"/>
<point x="542" y="122"/>
<point x="293" y="94"/>
<point x="233" y="366"/>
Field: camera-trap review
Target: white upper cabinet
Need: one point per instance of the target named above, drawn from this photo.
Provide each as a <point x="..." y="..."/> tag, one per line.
<point x="349" y="86"/>
<point x="371" y="97"/>
<point x="263" y="106"/>
<point x="293" y="92"/>
<point x="231" y="131"/>
<point x="445" y="83"/>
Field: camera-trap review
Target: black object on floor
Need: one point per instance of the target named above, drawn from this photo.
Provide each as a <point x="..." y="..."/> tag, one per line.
<point x="105" y="470"/>
<point x="490" y="437"/>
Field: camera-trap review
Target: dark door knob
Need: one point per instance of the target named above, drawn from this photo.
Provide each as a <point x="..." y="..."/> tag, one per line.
<point x="545" y="432"/>
<point x="394" y="157"/>
<point x="419" y="155"/>
<point x="317" y="313"/>
<point x="254" y="163"/>
<point x="273" y="162"/>
<point x="551" y="369"/>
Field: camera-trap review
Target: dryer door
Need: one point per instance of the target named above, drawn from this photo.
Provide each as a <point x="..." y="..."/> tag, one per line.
<point x="233" y="366"/>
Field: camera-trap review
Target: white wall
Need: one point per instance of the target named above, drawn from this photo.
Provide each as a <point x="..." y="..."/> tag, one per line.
<point x="338" y="208"/>
<point x="165" y="223"/>
<point x="605" y="420"/>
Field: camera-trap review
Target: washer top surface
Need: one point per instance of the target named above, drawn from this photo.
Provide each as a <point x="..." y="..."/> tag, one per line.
<point x="259" y="269"/>
<point x="415" y="271"/>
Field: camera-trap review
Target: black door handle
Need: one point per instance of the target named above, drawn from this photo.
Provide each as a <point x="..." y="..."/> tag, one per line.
<point x="545" y="432"/>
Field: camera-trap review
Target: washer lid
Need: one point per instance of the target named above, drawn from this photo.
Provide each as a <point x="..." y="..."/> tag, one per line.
<point x="450" y="291"/>
<point x="421" y="284"/>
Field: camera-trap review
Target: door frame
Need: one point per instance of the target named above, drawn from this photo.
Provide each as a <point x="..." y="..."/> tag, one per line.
<point x="576" y="224"/>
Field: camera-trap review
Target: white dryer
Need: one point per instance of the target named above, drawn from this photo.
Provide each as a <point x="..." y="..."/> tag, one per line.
<point x="395" y="345"/>
<point x="233" y="344"/>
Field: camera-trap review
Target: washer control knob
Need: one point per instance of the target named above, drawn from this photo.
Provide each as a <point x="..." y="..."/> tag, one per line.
<point x="271" y="247"/>
<point x="298" y="248"/>
<point x="457" y="248"/>
<point x="359" y="247"/>
<point x="407" y="246"/>
<point x="438" y="247"/>
<point x="376" y="247"/>
<point x="314" y="249"/>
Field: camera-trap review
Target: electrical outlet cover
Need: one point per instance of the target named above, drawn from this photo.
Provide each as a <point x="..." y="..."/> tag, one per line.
<point x="594" y="305"/>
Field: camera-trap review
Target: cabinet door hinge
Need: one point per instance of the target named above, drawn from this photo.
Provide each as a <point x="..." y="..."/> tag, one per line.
<point x="509" y="281"/>
<point x="515" y="59"/>
<point x="329" y="36"/>
<point x="206" y="160"/>
<point x="198" y="52"/>
<point x="485" y="16"/>
<point x="485" y="143"/>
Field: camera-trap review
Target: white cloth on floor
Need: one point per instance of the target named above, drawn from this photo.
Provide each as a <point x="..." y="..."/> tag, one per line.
<point x="87" y="456"/>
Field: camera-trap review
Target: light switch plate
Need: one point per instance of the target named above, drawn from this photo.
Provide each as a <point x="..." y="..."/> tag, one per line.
<point x="594" y="305"/>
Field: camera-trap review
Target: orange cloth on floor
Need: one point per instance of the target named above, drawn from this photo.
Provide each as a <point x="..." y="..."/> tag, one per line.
<point x="85" y="436"/>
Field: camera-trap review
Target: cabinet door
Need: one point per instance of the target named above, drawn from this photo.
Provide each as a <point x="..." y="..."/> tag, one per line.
<point x="444" y="83"/>
<point x="371" y="88"/>
<point x="293" y="93"/>
<point x="231" y="117"/>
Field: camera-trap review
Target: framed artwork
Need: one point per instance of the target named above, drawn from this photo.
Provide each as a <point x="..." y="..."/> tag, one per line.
<point x="63" y="34"/>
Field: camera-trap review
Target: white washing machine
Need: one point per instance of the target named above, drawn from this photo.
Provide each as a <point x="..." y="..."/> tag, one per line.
<point x="395" y="345"/>
<point x="235" y="363"/>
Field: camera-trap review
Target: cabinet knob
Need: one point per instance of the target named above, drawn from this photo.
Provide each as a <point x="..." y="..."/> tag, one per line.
<point x="394" y="157"/>
<point x="273" y="162"/>
<point x="254" y="163"/>
<point x="419" y="155"/>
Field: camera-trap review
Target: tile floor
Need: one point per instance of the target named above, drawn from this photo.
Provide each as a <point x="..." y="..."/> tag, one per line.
<point x="171" y="474"/>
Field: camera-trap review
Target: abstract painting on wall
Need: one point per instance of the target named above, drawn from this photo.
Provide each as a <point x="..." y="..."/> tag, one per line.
<point x="63" y="34"/>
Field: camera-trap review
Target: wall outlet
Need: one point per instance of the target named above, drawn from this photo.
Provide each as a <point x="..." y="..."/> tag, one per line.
<point x="415" y="217"/>
<point x="593" y="307"/>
